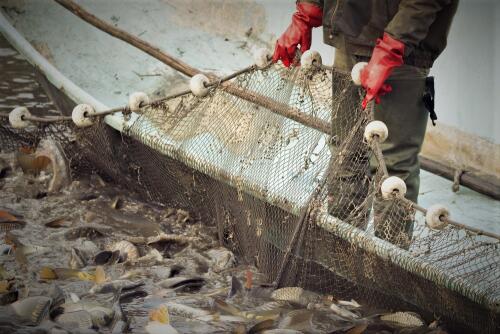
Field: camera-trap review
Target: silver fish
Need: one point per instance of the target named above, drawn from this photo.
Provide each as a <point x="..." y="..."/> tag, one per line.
<point x="343" y="312"/>
<point x="6" y="226"/>
<point x="221" y="259"/>
<point x="127" y="250"/>
<point x="182" y="283"/>
<point x="114" y="286"/>
<point x="403" y="319"/>
<point x="77" y="259"/>
<point x="296" y="295"/>
<point x="297" y="320"/>
<point x="79" y="319"/>
<point x="34" y="309"/>
<point x="100" y="316"/>
<point x="186" y="311"/>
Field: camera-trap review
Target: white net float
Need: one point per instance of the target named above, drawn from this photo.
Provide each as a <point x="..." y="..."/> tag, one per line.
<point x="392" y="187"/>
<point x="261" y="58"/>
<point x="434" y="216"/>
<point x="198" y="83"/>
<point x="17" y="118"/>
<point x="81" y="115"/>
<point x="356" y="72"/>
<point x="309" y="59"/>
<point x="137" y="100"/>
<point x="376" y="130"/>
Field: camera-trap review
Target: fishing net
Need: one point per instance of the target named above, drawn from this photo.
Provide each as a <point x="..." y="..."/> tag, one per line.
<point x="300" y="202"/>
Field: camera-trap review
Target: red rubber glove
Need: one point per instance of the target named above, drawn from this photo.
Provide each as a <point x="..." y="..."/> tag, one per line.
<point x="306" y="17"/>
<point x="387" y="55"/>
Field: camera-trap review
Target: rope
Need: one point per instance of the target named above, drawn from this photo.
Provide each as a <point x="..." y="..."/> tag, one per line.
<point x="377" y="151"/>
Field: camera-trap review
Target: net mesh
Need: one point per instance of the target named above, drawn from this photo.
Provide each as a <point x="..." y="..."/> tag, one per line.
<point x="302" y="205"/>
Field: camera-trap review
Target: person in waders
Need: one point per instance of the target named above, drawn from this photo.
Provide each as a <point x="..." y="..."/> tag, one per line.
<point x="400" y="40"/>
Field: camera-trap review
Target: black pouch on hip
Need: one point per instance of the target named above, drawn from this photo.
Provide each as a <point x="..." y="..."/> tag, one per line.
<point x="428" y="98"/>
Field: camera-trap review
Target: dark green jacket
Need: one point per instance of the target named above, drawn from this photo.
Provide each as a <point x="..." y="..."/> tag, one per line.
<point x="355" y="25"/>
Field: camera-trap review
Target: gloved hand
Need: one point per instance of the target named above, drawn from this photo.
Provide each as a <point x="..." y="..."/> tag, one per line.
<point x="306" y="17"/>
<point x="387" y="55"/>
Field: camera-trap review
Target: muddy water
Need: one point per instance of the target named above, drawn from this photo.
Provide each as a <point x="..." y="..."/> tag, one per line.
<point x="18" y="86"/>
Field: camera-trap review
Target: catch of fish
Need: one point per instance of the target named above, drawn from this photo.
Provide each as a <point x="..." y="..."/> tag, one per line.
<point x="91" y="258"/>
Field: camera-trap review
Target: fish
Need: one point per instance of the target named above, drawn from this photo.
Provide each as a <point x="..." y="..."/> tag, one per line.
<point x="117" y="203"/>
<point x="89" y="231"/>
<point x="261" y="326"/>
<point x="33" y="309"/>
<point x="5" y="286"/>
<point x="221" y="259"/>
<point x="281" y="331"/>
<point x="180" y="283"/>
<point x="159" y="322"/>
<point x="129" y="296"/>
<point x="9" y="297"/>
<point x="298" y="320"/>
<point x="100" y="316"/>
<point x="57" y="296"/>
<point x="47" y="273"/>
<point x="235" y="287"/>
<point x="128" y="251"/>
<point x="120" y="323"/>
<point x="58" y="223"/>
<point x="31" y="164"/>
<point x="77" y="260"/>
<point x="100" y="275"/>
<point x="79" y="319"/>
<point x="403" y="319"/>
<point x="153" y="257"/>
<point x="352" y="304"/>
<point x="114" y="286"/>
<point x="6" y="226"/>
<point x="266" y="311"/>
<point x="296" y="295"/>
<point x="108" y="257"/>
<point x="346" y="314"/>
<point x="3" y="273"/>
<point x="186" y="311"/>
<point x="6" y="250"/>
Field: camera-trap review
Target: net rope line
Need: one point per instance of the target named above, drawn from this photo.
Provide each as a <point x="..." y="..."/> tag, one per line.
<point x="375" y="145"/>
<point x="184" y="68"/>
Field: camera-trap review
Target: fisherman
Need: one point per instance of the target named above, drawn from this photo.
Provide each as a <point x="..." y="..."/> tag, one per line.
<point x="400" y="40"/>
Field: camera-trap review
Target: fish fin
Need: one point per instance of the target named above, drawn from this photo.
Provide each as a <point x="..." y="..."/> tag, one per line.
<point x="85" y="276"/>
<point x="161" y="315"/>
<point x="222" y="305"/>
<point x="47" y="273"/>
<point x="74" y="297"/>
<point x="235" y="287"/>
<point x="100" y="275"/>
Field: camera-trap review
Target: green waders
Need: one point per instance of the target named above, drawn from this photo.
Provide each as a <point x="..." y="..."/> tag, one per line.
<point x="405" y="115"/>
